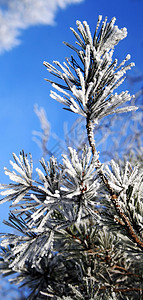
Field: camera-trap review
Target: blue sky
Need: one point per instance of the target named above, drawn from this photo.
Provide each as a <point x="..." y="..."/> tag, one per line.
<point x="32" y="33"/>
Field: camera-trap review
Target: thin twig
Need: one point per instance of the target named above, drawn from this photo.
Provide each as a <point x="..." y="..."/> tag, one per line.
<point x="123" y="290"/>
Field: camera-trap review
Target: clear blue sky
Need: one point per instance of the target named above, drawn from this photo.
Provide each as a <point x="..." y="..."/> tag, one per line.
<point x="32" y="33"/>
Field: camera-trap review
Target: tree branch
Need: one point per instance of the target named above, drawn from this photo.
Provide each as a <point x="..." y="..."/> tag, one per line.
<point x="114" y="198"/>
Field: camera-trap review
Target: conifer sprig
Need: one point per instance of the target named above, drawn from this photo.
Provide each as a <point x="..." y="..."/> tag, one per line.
<point x="88" y="88"/>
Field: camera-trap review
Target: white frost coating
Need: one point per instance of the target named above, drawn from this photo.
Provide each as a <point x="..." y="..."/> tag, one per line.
<point x="18" y="169"/>
<point x="127" y="182"/>
<point x="88" y="33"/>
<point x="93" y="84"/>
<point x="57" y="97"/>
<point x="81" y="175"/>
<point x="41" y="175"/>
<point x="14" y="177"/>
<point x="7" y="192"/>
<point x="87" y="61"/>
<point x="23" y="192"/>
<point x="60" y="89"/>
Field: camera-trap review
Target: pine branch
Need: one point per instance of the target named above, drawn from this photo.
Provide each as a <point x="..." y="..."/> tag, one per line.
<point x="114" y="197"/>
